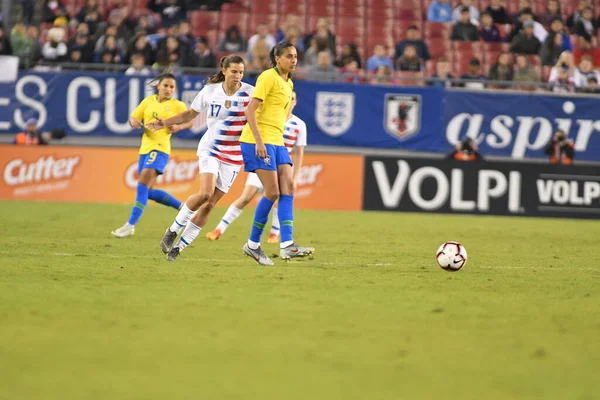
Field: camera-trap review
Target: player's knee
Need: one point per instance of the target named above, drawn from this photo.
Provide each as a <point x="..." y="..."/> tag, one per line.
<point x="272" y="195"/>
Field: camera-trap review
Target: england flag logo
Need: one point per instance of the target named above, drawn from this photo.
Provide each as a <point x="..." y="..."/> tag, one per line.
<point x="334" y="112"/>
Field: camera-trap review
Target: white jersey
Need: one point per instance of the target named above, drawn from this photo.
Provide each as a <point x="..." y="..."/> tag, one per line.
<point x="294" y="133"/>
<point x="225" y="120"/>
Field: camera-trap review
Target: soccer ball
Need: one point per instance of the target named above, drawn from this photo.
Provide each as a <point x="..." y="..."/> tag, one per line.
<point x="451" y="256"/>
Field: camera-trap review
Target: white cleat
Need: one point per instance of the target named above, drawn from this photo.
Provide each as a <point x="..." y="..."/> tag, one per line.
<point x="124" y="231"/>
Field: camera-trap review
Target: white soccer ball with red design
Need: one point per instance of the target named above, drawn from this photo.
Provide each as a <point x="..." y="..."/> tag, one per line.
<point x="451" y="256"/>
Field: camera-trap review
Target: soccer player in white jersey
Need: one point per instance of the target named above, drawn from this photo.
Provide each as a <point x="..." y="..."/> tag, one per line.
<point x="294" y="137"/>
<point x="225" y="98"/>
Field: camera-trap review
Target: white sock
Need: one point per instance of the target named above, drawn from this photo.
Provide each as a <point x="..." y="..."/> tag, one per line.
<point x="275" y="222"/>
<point x="283" y="245"/>
<point x="182" y="218"/>
<point x="231" y="215"/>
<point x="189" y="234"/>
<point x="253" y="245"/>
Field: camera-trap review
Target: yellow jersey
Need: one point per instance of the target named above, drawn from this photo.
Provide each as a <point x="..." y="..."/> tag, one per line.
<point x="276" y="96"/>
<point x="148" y="110"/>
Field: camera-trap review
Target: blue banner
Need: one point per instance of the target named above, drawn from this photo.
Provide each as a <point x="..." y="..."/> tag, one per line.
<point x="412" y="118"/>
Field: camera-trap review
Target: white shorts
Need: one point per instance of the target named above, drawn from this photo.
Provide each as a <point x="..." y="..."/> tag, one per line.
<point x="225" y="173"/>
<point x="254" y="180"/>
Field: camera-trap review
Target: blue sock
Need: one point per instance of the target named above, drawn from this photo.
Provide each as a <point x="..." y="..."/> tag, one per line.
<point x="286" y="217"/>
<point x="261" y="216"/>
<point x="141" y="199"/>
<point x="162" y="197"/>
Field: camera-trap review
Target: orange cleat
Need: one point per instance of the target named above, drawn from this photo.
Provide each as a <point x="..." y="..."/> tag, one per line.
<point x="273" y="238"/>
<point x="214" y="235"/>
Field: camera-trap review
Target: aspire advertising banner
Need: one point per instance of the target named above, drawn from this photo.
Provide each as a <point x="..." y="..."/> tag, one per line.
<point x="448" y="186"/>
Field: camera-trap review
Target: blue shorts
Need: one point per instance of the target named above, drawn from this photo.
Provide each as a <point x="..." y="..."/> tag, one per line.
<point x="156" y="160"/>
<point x="276" y="156"/>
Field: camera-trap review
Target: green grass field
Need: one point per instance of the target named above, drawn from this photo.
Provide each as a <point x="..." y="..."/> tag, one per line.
<point x="87" y="316"/>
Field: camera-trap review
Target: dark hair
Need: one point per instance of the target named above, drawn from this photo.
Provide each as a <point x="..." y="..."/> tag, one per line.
<point x="278" y="50"/>
<point x="475" y="61"/>
<point x="166" y="75"/>
<point x="224" y="64"/>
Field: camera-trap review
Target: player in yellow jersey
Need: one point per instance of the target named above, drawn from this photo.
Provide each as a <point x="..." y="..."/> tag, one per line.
<point x="264" y="152"/>
<point x="155" y="148"/>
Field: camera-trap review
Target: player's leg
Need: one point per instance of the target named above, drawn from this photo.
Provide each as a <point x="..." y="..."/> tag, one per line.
<point x="288" y="248"/>
<point x="209" y="169"/>
<point x="275" y="228"/>
<point x="149" y="167"/>
<point x="164" y="198"/>
<point x="266" y="170"/>
<point x="225" y="178"/>
<point x="252" y="187"/>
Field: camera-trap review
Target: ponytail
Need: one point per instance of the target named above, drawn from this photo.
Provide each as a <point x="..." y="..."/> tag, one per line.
<point x="224" y="63"/>
<point x="156" y="81"/>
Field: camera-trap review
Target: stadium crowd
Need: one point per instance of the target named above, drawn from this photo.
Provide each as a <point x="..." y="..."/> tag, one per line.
<point x="437" y="42"/>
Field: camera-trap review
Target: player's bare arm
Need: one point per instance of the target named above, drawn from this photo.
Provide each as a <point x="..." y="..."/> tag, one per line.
<point x="135" y="123"/>
<point x="261" y="150"/>
<point x="182" y="118"/>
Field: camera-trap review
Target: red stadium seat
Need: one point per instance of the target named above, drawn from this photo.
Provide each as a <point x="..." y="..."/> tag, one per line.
<point x="239" y="18"/>
<point x="437" y="30"/>
<point x="203" y="22"/>
<point x="255" y="19"/>
<point x="263" y="6"/>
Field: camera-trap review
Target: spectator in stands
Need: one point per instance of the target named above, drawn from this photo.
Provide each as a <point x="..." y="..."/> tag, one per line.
<point x="293" y="34"/>
<point x="5" y="46"/>
<point x="34" y="34"/>
<point x="564" y="82"/>
<point x="585" y="72"/>
<point x="464" y="29"/>
<point x="109" y="57"/>
<point x="138" y="66"/>
<point x="585" y="47"/>
<point x="55" y="49"/>
<point x="524" y="7"/>
<point x="146" y="24"/>
<point x="552" y="12"/>
<point x="352" y="74"/>
<point x="118" y="19"/>
<point x="442" y="76"/>
<point x="557" y="26"/>
<point x="501" y="70"/>
<point x="472" y="11"/>
<point x="526" y="15"/>
<point x="141" y="46"/>
<point x="467" y="150"/>
<point x="21" y="45"/>
<point x="378" y="59"/>
<point x="498" y="12"/>
<point x="317" y="45"/>
<point x="322" y="30"/>
<point x="413" y="39"/>
<point x="474" y="77"/>
<point x="184" y="34"/>
<point x="585" y="25"/>
<point x="232" y="42"/>
<point x="525" y="73"/>
<point x="565" y="60"/>
<point x="260" y="55"/>
<point x="28" y="9"/>
<point x="171" y="11"/>
<point x="348" y="54"/>
<point x="525" y="42"/>
<point x="576" y="16"/>
<point x="204" y="56"/>
<point x="439" y="11"/>
<point x="290" y="21"/>
<point x="110" y="30"/>
<point x="592" y="86"/>
<point x="551" y="49"/>
<point x="112" y="5"/>
<point x="89" y="5"/>
<point x="262" y="32"/>
<point x="409" y="61"/>
<point x="488" y="31"/>
<point x="53" y="10"/>
<point x="323" y="70"/>
<point x="94" y="22"/>
<point x="383" y="75"/>
<point x="561" y="149"/>
<point x="82" y="44"/>
<point x="110" y="46"/>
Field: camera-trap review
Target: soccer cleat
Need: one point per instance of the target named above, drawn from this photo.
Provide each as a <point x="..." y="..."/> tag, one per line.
<point x="167" y="241"/>
<point x="258" y="255"/>
<point x="214" y="235"/>
<point x="124" y="231"/>
<point x="273" y="238"/>
<point x="295" y="251"/>
<point x="173" y="254"/>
